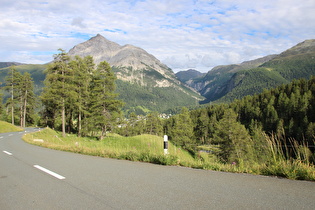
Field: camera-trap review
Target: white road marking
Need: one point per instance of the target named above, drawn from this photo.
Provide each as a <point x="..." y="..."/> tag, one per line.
<point x="1" y="137"/>
<point x="8" y="153"/>
<point x="10" y="134"/>
<point x="49" y="172"/>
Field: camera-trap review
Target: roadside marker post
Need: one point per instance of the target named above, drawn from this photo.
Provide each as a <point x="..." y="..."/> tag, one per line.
<point x="165" y="145"/>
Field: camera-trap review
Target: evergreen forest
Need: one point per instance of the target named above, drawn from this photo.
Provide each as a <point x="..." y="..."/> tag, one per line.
<point x="237" y="132"/>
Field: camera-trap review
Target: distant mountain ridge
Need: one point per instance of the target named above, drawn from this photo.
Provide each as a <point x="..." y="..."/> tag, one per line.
<point x="228" y="82"/>
<point x="189" y="74"/>
<point x="8" y="64"/>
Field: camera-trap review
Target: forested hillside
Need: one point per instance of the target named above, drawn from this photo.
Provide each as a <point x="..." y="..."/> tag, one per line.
<point x="226" y="83"/>
<point x="287" y="111"/>
<point x="280" y="70"/>
<point x="239" y="131"/>
<point x="143" y="100"/>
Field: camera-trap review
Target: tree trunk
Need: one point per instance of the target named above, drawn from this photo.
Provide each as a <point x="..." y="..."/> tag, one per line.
<point x="24" y="112"/>
<point x="12" y="106"/>
<point x="79" y="124"/>
<point x="103" y="132"/>
<point x="63" y="113"/>
<point x="21" y="111"/>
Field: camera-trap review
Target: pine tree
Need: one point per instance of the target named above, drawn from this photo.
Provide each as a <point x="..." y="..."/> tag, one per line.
<point x="153" y="124"/>
<point x="58" y="88"/>
<point x="12" y="81"/>
<point x="233" y="138"/>
<point x="104" y="108"/>
<point x="27" y="98"/>
<point x="83" y="69"/>
<point x="181" y="129"/>
<point x="202" y="127"/>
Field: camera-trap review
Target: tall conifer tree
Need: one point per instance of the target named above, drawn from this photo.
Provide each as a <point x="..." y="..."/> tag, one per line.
<point x="58" y="87"/>
<point x="105" y="108"/>
<point x="27" y="98"/>
<point x="234" y="140"/>
<point x="181" y="130"/>
<point x="83" y="68"/>
<point x="12" y="81"/>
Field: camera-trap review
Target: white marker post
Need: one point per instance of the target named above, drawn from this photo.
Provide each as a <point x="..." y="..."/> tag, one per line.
<point x="165" y="144"/>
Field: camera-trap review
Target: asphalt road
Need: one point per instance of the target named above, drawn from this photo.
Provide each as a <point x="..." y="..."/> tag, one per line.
<point x="74" y="181"/>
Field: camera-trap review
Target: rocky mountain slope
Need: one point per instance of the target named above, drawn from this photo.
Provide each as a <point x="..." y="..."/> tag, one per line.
<point x="130" y="63"/>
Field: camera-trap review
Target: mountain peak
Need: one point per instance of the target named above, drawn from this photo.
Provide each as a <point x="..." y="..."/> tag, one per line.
<point x="131" y="63"/>
<point x="98" y="46"/>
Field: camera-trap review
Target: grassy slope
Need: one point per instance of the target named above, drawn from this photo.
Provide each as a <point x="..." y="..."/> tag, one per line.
<point x="7" y="127"/>
<point x="146" y="148"/>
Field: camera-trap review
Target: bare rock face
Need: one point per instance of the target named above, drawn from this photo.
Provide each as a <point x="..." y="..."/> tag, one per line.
<point x="130" y="63"/>
<point x="100" y="48"/>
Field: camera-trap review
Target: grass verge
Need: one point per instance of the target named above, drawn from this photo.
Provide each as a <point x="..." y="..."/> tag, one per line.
<point x="8" y="127"/>
<point x="149" y="148"/>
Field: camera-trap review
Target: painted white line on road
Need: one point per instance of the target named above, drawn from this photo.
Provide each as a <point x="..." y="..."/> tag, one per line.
<point x="1" y="137"/>
<point x="10" y="134"/>
<point x="8" y="153"/>
<point x="49" y="172"/>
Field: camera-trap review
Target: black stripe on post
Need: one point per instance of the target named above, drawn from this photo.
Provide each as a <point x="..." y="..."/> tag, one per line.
<point x="165" y="144"/>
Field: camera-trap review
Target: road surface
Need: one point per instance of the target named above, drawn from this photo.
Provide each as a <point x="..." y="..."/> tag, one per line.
<point x="32" y="177"/>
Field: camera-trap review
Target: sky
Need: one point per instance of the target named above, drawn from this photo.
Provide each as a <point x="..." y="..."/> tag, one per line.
<point x="183" y="34"/>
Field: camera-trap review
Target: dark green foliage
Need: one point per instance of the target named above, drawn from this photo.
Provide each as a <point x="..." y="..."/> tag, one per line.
<point x="233" y="138"/>
<point x="180" y="130"/>
<point x="286" y="110"/>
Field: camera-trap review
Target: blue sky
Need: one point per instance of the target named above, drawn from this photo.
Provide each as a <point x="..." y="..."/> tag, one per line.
<point x="182" y="34"/>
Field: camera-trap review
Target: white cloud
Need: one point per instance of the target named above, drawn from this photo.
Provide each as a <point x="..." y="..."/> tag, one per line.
<point x="183" y="34"/>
